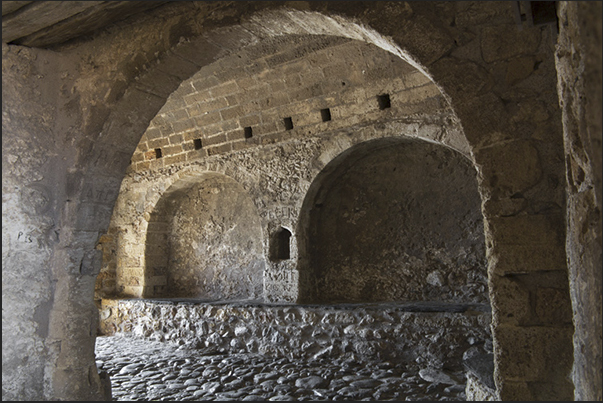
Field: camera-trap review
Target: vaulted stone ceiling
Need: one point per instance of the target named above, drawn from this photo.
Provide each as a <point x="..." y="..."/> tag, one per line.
<point x="48" y="23"/>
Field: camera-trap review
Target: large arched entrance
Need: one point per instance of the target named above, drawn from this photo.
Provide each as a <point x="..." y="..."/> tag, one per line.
<point x="518" y="162"/>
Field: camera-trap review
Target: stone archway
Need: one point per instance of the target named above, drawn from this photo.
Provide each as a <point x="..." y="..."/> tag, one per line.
<point x="204" y="241"/>
<point x="530" y="268"/>
<point x="393" y="219"/>
<point x="500" y="178"/>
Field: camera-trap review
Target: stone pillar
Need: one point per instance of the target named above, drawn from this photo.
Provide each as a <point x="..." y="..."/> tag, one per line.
<point x="578" y="61"/>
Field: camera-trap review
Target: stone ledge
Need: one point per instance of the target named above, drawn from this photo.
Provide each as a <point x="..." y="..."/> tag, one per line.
<point x="430" y="333"/>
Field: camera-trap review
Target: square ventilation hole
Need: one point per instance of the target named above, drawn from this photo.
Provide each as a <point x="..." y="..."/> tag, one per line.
<point x="288" y="123"/>
<point x="197" y="143"/>
<point x="384" y="101"/>
<point x="158" y="153"/>
<point x="248" y="132"/>
<point x="325" y="114"/>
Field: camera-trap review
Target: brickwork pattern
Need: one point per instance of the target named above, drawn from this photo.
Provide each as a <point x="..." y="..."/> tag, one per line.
<point x="208" y="113"/>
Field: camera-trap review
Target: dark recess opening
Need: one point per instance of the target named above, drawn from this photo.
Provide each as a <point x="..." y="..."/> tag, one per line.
<point x="543" y="12"/>
<point x="248" y="132"/>
<point x="288" y="123"/>
<point x="280" y="249"/>
<point x="325" y="114"/>
<point x="197" y="143"/>
<point x="384" y="101"/>
<point x="158" y="153"/>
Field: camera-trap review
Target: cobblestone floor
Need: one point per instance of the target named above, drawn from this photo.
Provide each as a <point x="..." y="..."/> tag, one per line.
<point x="147" y="370"/>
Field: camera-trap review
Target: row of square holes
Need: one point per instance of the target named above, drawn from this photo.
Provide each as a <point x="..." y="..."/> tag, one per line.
<point x="383" y="100"/>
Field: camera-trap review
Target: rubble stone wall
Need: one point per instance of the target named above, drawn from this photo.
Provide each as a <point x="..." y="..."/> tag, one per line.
<point x="431" y="335"/>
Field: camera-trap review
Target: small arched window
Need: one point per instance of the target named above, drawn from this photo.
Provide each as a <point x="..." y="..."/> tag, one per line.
<point x="280" y="248"/>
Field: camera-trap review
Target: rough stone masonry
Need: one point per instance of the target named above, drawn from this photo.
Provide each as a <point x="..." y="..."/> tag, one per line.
<point x="265" y="117"/>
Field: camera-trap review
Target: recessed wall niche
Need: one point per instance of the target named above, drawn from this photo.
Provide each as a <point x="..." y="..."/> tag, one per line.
<point x="280" y="248"/>
<point x="204" y="242"/>
<point x="393" y="220"/>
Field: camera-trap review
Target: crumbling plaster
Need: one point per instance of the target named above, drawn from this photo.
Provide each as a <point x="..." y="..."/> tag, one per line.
<point x="499" y="80"/>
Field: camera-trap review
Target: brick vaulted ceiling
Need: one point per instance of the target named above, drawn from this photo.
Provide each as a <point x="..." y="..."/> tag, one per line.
<point x="47" y="23"/>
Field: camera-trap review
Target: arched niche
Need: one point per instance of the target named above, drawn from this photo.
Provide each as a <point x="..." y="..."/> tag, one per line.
<point x="393" y="220"/>
<point x="280" y="245"/>
<point x="204" y="241"/>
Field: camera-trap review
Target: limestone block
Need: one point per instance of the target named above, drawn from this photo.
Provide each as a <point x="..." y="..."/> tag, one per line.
<point x="510" y="301"/>
<point x="532" y="354"/>
<point x="508" y="259"/>
<point x="484" y="118"/>
<point x="156" y="143"/>
<point x="514" y="390"/>
<point x="500" y="43"/>
<point x="182" y="126"/>
<point x="510" y="167"/>
<point x="553" y="306"/>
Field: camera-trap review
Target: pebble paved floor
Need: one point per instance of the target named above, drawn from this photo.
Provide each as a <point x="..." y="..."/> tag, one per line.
<point x="147" y="370"/>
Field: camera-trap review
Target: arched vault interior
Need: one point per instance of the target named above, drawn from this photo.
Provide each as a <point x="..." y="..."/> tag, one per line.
<point x="271" y="117"/>
<point x="101" y="131"/>
<point x="204" y="241"/>
<point x="394" y="220"/>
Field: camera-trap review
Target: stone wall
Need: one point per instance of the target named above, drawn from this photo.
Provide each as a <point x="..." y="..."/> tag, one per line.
<point x="394" y="221"/>
<point x="201" y="131"/>
<point x="29" y="219"/>
<point x="579" y="83"/>
<point x="205" y="241"/>
<point x="431" y="335"/>
<point x="89" y="104"/>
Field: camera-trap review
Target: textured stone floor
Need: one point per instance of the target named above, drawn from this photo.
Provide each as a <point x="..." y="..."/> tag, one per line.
<point x="147" y="370"/>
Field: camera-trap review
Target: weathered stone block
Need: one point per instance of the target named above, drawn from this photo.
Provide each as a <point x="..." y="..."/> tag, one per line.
<point x="210" y="104"/>
<point x="221" y="149"/>
<point x="152" y="133"/>
<point x="178" y="114"/>
<point x="514" y="391"/>
<point x="176" y="139"/>
<point x="499" y="43"/>
<point x="509" y="259"/>
<point x="159" y="142"/>
<point x="510" y="301"/>
<point x="511" y="175"/>
<point x="175" y="159"/>
<point x="207" y="119"/>
<point x="233" y="112"/>
<point x="170" y="150"/>
<point x="553" y="306"/>
<point x="210" y="141"/>
<point x="530" y="354"/>
<point x="523" y="230"/>
<point x="202" y="83"/>
<point x="224" y="89"/>
<point x="182" y="126"/>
